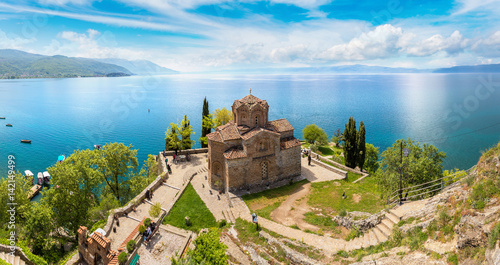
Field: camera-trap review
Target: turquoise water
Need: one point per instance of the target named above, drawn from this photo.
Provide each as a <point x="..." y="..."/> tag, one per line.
<point x="60" y="115"/>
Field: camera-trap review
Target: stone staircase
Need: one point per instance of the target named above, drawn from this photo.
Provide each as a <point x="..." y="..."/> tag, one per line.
<point x="202" y="170"/>
<point x="15" y="260"/>
<point x="380" y="233"/>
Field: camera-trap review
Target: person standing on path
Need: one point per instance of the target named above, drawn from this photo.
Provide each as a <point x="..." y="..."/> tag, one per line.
<point x="309" y="159"/>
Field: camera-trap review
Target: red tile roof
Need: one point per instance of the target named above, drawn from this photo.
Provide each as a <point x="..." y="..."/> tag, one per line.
<point x="100" y="239"/>
<point x="256" y="131"/>
<point x="235" y="152"/>
<point x="214" y="136"/>
<point x="289" y="142"/>
<point x="250" y="101"/>
<point x="229" y="131"/>
<point x="281" y="125"/>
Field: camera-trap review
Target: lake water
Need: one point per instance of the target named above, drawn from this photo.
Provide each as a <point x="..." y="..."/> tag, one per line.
<point x="459" y="113"/>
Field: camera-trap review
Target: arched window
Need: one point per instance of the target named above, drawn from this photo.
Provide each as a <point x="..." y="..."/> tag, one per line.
<point x="264" y="169"/>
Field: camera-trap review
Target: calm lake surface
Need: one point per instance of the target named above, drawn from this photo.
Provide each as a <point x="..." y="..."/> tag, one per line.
<point x="459" y="113"/>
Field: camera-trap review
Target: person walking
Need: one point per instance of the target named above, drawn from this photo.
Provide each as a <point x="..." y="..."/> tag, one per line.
<point x="309" y="159"/>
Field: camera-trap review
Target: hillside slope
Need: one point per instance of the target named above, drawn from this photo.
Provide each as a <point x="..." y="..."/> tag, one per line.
<point x="18" y="64"/>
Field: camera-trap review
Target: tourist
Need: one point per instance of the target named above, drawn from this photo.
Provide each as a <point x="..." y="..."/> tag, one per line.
<point x="147" y="194"/>
<point x="169" y="169"/>
<point x="309" y="160"/>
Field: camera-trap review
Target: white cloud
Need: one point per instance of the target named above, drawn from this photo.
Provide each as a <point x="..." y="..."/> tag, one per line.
<point x="466" y="6"/>
<point x="454" y="44"/>
<point x="91" y="44"/>
<point x="12" y="41"/>
<point x="489" y="47"/>
<point x="383" y="41"/>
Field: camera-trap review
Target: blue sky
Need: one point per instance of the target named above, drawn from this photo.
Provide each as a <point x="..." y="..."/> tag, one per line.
<point x="208" y="35"/>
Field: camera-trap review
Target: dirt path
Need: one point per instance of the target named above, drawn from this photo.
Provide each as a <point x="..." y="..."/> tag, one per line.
<point x="285" y="215"/>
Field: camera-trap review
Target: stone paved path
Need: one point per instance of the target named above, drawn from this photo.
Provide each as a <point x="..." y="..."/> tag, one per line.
<point x="166" y="195"/>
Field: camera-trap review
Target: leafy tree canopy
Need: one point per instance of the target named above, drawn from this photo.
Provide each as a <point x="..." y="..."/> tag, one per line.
<point x="312" y="133"/>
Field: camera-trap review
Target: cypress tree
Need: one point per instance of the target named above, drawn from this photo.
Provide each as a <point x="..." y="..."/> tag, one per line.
<point x="350" y="135"/>
<point x="205" y="113"/>
<point x="361" y="147"/>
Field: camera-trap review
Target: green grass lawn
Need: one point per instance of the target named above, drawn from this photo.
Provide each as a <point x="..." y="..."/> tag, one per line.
<point x="190" y="204"/>
<point x="361" y="196"/>
<point x="264" y="202"/>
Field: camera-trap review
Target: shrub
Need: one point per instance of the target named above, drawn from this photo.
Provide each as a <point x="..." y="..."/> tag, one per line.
<point x="187" y="220"/>
<point x="222" y="223"/>
<point x="314" y="147"/>
<point x="343" y="213"/>
<point x="147" y="222"/>
<point x="122" y="258"/>
<point x="343" y="254"/>
<point x="494" y="236"/>
<point x="142" y="229"/>
<point x="131" y="246"/>
<point x="155" y="210"/>
<point x="453" y="259"/>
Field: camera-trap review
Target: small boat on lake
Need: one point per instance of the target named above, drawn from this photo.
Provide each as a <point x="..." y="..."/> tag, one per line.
<point x="40" y="178"/>
<point x="8" y="125"/>
<point x="29" y="174"/>
<point x="46" y="177"/>
<point x="97" y="146"/>
<point x="26" y="141"/>
<point x="60" y="158"/>
<point x="2" y="118"/>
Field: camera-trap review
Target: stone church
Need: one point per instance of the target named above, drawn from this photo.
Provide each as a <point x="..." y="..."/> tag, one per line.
<point x="250" y="150"/>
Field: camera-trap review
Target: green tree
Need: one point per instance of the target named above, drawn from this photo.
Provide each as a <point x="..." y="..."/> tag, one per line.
<point x="204" y="129"/>
<point x="423" y="164"/>
<point x="18" y="185"/>
<point x="148" y="173"/>
<point x="107" y="203"/>
<point x="39" y="224"/>
<point x="116" y="163"/>
<point x="350" y="143"/>
<point x="360" y="146"/>
<point x="186" y="132"/>
<point x="337" y="137"/>
<point x="207" y="124"/>
<point x="221" y="117"/>
<point x="371" y="159"/>
<point x="173" y="137"/>
<point x="209" y="249"/>
<point x="76" y="185"/>
<point x="312" y="133"/>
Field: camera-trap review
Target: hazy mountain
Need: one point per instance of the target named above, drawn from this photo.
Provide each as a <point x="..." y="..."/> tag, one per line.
<point x="19" y="64"/>
<point x="342" y="69"/>
<point x="485" y="68"/>
<point x="139" y="67"/>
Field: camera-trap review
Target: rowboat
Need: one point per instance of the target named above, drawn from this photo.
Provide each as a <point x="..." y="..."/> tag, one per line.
<point x="26" y="141"/>
<point x="40" y="178"/>
<point x="8" y="125"/>
<point x="29" y="175"/>
<point x="60" y="158"/>
<point x="46" y="177"/>
<point x="2" y="118"/>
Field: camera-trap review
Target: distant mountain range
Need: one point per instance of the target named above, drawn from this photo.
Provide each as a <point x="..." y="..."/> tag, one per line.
<point x="19" y="64"/>
<point x="139" y="67"/>
<point x="365" y="69"/>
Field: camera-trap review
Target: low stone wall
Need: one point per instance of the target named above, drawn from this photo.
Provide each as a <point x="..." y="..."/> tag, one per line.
<point x="133" y="203"/>
<point x="343" y="167"/>
<point x="19" y="252"/>
<point x="190" y="151"/>
<point x="333" y="169"/>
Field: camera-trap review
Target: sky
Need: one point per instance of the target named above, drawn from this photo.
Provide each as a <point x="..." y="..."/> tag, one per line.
<point x="215" y="35"/>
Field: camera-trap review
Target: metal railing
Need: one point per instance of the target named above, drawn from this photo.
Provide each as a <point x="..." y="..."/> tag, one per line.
<point x="420" y="191"/>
